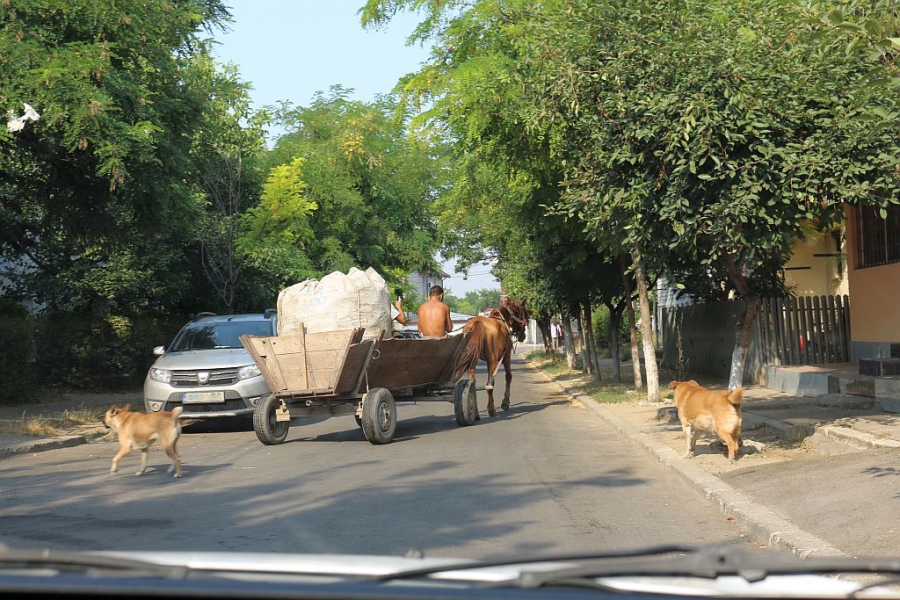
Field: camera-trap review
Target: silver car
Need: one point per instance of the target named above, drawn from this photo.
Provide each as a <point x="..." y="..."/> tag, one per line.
<point x="206" y="369"/>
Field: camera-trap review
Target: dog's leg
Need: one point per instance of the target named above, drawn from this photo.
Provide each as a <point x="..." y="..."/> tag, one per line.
<point x="176" y="463"/>
<point x="733" y="441"/>
<point x="695" y="435"/>
<point x="144" y="453"/>
<point x="689" y="447"/>
<point x="732" y="449"/>
<point x="123" y="450"/>
<point x="172" y="453"/>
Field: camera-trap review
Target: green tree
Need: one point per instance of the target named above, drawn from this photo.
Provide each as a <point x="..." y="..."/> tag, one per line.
<point x="372" y="180"/>
<point x="96" y="196"/>
<point x="718" y="132"/>
<point x="227" y="151"/>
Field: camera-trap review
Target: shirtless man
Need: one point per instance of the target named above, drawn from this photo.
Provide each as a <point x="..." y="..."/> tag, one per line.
<point x="434" y="315"/>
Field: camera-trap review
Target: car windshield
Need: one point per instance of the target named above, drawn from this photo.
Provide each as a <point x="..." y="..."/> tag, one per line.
<point x="217" y="334"/>
<point x="612" y="245"/>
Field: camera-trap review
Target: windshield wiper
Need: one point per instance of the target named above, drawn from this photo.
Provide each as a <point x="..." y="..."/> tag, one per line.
<point x="555" y="558"/>
<point x="77" y="561"/>
<point x="709" y="563"/>
<point x="689" y="561"/>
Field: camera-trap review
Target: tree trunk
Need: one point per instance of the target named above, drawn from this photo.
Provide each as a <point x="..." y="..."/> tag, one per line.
<point x="543" y="324"/>
<point x="632" y="326"/>
<point x="594" y="350"/>
<point x="570" y="340"/>
<point x="646" y="326"/>
<point x="590" y="354"/>
<point x="615" y="318"/>
<point x="586" y="363"/>
<point x="744" y="333"/>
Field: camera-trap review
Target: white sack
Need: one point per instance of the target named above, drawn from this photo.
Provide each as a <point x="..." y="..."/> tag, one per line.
<point x="338" y="301"/>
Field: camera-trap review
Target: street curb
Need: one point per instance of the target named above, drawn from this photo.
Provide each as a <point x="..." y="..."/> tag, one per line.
<point x="760" y="521"/>
<point x="857" y="439"/>
<point x="42" y="444"/>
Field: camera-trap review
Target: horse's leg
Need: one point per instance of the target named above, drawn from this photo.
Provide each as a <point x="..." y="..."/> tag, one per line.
<point x="472" y="379"/>
<point x="507" y="366"/>
<point x="493" y="365"/>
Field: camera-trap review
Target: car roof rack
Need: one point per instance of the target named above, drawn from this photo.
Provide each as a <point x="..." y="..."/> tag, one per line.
<point x="200" y="315"/>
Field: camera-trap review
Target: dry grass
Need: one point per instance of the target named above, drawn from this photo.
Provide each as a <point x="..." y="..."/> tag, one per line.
<point x="55" y="424"/>
<point x="603" y="391"/>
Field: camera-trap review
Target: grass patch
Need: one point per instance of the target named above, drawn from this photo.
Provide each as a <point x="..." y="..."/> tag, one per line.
<point x="58" y="424"/>
<point x="604" y="391"/>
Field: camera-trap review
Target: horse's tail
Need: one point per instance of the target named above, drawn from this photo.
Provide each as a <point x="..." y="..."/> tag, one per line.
<point x="471" y="353"/>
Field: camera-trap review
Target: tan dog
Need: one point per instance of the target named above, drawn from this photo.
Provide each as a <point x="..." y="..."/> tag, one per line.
<point x="702" y="409"/>
<point x="139" y="430"/>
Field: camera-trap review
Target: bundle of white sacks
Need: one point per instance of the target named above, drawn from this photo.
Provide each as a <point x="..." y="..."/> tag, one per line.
<point x="337" y="302"/>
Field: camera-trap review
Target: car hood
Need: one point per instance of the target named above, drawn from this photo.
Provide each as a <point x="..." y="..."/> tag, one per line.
<point x="204" y="359"/>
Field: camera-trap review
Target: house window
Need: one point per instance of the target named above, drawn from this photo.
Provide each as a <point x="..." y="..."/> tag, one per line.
<point x="878" y="239"/>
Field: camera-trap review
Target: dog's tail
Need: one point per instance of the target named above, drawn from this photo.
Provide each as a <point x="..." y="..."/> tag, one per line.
<point x="176" y="413"/>
<point x="736" y="396"/>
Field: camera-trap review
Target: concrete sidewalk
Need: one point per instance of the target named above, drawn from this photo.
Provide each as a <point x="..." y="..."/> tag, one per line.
<point x="816" y="476"/>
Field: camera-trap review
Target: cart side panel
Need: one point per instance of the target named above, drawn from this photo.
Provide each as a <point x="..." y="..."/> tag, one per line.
<point x="264" y="355"/>
<point x="357" y="361"/>
<point x="326" y="353"/>
<point x="400" y="363"/>
<point x="289" y="354"/>
<point x="297" y="362"/>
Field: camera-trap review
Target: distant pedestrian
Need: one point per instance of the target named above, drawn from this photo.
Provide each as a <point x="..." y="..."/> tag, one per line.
<point x="560" y="339"/>
<point x="554" y="336"/>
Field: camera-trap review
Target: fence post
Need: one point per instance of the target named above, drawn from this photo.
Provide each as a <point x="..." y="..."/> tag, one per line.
<point x="834" y="352"/>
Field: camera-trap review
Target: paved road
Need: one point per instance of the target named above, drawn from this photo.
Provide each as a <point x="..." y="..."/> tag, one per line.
<point x="548" y="476"/>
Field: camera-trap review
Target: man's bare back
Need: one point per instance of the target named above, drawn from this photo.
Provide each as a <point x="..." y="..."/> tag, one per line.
<point x="434" y="315"/>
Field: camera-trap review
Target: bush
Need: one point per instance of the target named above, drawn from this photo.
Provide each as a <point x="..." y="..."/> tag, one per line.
<point x="602" y="323"/>
<point x="16" y="354"/>
<point x="98" y="353"/>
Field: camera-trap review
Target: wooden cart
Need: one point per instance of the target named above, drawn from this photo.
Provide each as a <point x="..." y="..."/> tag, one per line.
<point x="339" y="368"/>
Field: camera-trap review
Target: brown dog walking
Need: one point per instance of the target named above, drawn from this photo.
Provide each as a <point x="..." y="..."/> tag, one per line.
<point x="702" y="409"/>
<point x="139" y="430"/>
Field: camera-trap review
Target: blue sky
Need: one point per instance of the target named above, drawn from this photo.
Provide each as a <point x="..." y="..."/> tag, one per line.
<point x="291" y="49"/>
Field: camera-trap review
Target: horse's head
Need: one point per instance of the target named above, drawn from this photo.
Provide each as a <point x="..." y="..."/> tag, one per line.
<point x="515" y="315"/>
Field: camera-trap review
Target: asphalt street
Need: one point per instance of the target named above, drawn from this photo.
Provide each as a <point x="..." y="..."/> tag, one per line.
<point x="547" y="476"/>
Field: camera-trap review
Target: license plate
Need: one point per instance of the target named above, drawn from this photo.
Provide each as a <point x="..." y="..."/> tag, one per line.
<point x="202" y="397"/>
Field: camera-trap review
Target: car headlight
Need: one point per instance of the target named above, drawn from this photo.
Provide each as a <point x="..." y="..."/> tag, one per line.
<point x="248" y="372"/>
<point x="161" y="375"/>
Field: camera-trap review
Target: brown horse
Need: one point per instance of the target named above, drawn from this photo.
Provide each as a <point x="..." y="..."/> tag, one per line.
<point x="491" y="339"/>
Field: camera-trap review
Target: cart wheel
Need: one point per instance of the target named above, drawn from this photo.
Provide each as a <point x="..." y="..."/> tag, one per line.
<point x="379" y="416"/>
<point x="465" y="405"/>
<point x="268" y="429"/>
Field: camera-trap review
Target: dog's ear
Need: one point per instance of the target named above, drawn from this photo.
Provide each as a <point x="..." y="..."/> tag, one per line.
<point x="127" y="407"/>
<point x="674" y="384"/>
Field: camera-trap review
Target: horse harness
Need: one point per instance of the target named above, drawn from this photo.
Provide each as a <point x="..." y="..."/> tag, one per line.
<point x="498" y="313"/>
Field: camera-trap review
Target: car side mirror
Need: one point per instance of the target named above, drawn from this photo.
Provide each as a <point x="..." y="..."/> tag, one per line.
<point x="159" y="351"/>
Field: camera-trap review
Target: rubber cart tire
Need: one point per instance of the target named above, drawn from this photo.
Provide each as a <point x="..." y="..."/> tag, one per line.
<point x="465" y="405"/>
<point x="267" y="428"/>
<point x="379" y="416"/>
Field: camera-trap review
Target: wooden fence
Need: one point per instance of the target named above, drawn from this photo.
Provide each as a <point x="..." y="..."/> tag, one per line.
<point x="805" y="330"/>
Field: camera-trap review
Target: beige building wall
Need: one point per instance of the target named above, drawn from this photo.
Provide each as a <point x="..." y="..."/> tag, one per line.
<point x="818" y="267"/>
<point x="875" y="302"/>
